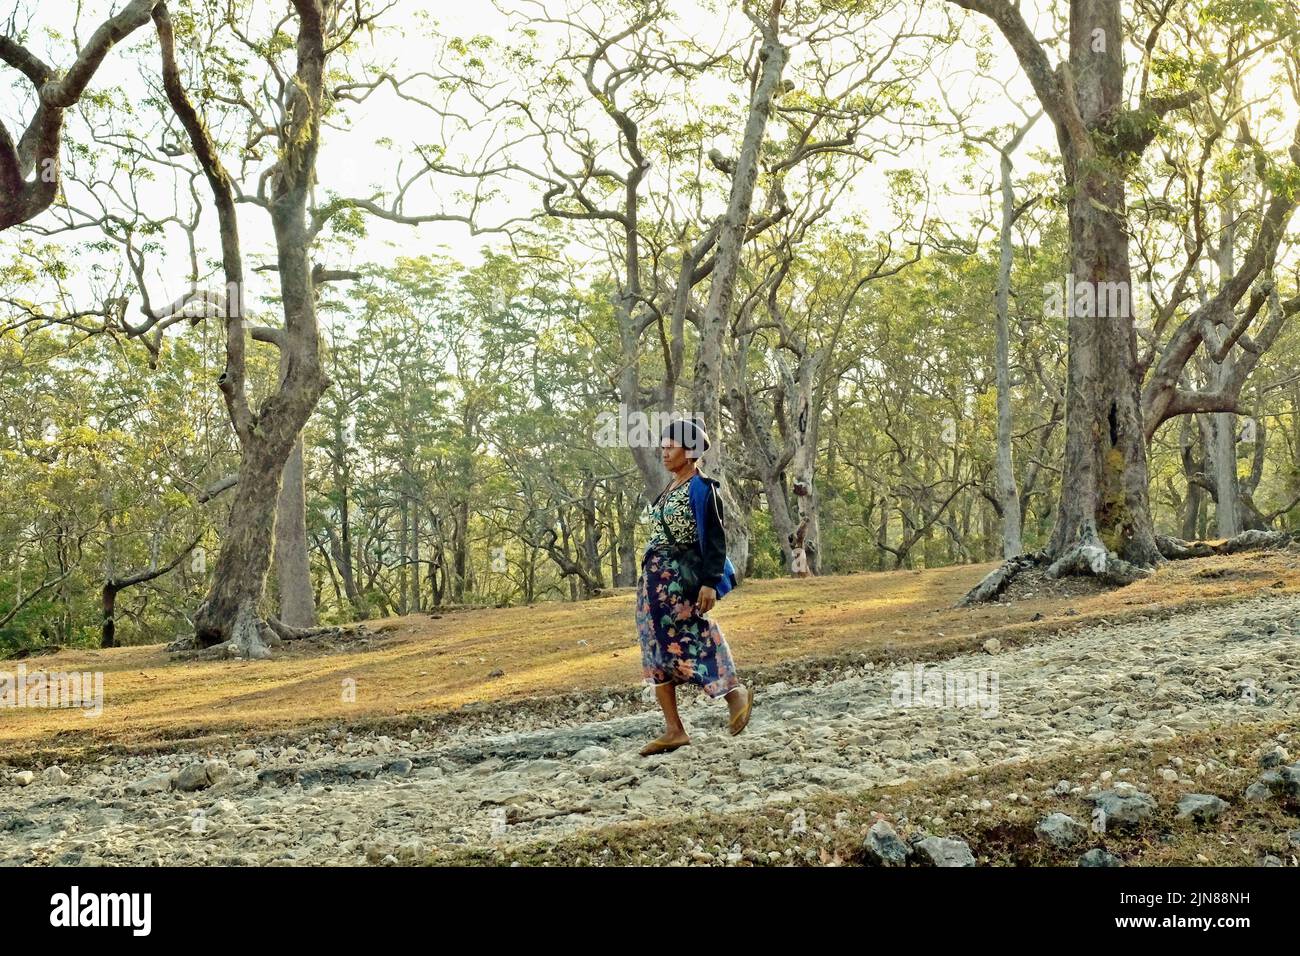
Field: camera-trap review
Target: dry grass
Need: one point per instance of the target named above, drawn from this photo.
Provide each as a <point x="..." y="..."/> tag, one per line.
<point x="429" y="665"/>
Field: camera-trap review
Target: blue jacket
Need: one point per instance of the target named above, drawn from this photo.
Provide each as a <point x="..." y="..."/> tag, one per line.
<point x="706" y="504"/>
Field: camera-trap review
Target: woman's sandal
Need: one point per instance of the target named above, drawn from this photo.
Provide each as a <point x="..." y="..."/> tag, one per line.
<point x="660" y="747"/>
<point x="741" y="720"/>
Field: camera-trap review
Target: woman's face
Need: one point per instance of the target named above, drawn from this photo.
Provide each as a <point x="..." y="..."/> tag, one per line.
<point x="673" y="455"/>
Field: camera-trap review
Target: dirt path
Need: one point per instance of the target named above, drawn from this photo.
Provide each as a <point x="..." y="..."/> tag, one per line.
<point x="354" y="798"/>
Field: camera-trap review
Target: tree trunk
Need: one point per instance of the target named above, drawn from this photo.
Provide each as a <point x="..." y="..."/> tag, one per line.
<point x="414" y="558"/>
<point x="266" y="437"/>
<point x="736" y="514"/>
<point x="1221" y="453"/>
<point x="1008" y="495"/>
<point x="778" y="506"/>
<point x="403" y="551"/>
<point x="628" y="567"/>
<point x="1249" y="516"/>
<point x="292" y="561"/>
<point x="1221" y="457"/>
<point x="882" y="534"/>
<point x="1103" y="502"/>
<point x="1195" y="493"/>
<point x="709" y="371"/>
<point x="230" y="611"/>
<point x="108" y="632"/>
<point x="590" y="552"/>
<point x="341" y="546"/>
<point x="460" y="552"/>
<point x="803" y="465"/>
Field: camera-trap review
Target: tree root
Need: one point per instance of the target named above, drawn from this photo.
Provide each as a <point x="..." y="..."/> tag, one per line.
<point x="1177" y="548"/>
<point x="1087" y="558"/>
<point x="997" y="580"/>
<point x="250" y="635"/>
<point x="186" y="649"/>
<point x="287" y="632"/>
<point x="1091" y="558"/>
<point x="271" y="633"/>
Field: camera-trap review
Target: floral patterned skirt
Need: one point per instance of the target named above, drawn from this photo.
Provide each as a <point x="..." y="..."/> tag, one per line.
<point x="678" y="645"/>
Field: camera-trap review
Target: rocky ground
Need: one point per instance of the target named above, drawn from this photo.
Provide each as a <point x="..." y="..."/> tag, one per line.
<point x="337" y="797"/>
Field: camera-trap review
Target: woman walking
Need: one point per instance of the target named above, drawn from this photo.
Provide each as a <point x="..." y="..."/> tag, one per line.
<point x="683" y="572"/>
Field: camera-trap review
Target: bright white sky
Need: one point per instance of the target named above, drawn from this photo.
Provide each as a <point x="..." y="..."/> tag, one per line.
<point x="353" y="158"/>
<point x="869" y="189"/>
<point x="350" y="161"/>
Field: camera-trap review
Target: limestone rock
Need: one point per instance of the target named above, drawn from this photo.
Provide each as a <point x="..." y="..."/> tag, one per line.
<point x="1201" y="807"/>
<point x="1061" y="830"/>
<point x="883" y="847"/>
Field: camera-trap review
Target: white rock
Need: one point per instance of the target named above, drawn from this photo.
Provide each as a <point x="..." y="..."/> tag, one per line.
<point x="410" y="850"/>
<point x="154" y="784"/>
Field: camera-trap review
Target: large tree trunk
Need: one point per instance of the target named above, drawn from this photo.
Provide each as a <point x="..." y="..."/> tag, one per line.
<point x="1221" y="452"/>
<point x="1103" y="503"/>
<point x="292" y="560"/>
<point x="231" y="611"/>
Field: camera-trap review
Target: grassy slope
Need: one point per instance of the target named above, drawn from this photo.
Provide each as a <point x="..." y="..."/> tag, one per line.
<point x="429" y="665"/>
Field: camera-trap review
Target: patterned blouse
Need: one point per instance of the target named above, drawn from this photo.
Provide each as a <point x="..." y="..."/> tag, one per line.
<point x="675" y="509"/>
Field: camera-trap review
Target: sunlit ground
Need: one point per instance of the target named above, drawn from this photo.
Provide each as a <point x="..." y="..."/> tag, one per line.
<point x="427" y="665"/>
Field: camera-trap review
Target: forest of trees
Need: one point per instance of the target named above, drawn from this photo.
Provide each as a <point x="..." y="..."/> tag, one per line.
<point x="241" y="387"/>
